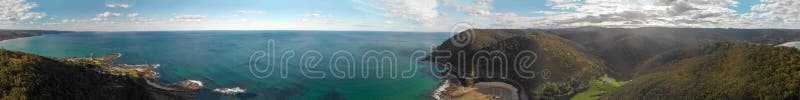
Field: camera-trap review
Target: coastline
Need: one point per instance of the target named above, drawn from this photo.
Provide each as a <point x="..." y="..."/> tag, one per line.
<point x="15" y="34"/>
<point x="140" y="75"/>
<point x="794" y="44"/>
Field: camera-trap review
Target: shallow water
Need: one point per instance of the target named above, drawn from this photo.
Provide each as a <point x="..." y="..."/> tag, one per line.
<point x="221" y="59"/>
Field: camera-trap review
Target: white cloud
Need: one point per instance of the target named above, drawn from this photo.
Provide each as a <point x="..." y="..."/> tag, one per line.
<point x="319" y="18"/>
<point x="480" y="7"/>
<point x="18" y="10"/>
<point x="638" y="13"/>
<point x="316" y="15"/>
<point x="108" y="14"/>
<point x="68" y="20"/>
<point x="548" y="12"/>
<point x="787" y="11"/>
<point x="133" y="14"/>
<point x="105" y="16"/>
<point x="610" y="13"/>
<point x="188" y="18"/>
<point x="118" y="5"/>
<point x="258" y="12"/>
<point x="423" y="12"/>
<point x="423" y="15"/>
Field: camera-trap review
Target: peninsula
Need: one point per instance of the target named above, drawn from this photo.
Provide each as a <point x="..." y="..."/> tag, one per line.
<point x="28" y="76"/>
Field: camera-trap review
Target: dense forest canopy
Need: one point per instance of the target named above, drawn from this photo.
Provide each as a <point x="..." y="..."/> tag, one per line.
<point x="655" y="63"/>
<point x="26" y="76"/>
<point x="720" y="71"/>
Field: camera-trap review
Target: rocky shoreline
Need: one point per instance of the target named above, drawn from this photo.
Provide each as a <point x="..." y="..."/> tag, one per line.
<point x="142" y="75"/>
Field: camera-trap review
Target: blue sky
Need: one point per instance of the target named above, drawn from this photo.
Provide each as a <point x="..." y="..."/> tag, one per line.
<point x="390" y="15"/>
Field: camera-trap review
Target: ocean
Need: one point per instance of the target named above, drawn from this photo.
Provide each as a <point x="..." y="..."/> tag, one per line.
<point x="227" y="59"/>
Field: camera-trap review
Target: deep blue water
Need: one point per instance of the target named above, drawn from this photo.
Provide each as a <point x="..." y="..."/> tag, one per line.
<point x="221" y="59"/>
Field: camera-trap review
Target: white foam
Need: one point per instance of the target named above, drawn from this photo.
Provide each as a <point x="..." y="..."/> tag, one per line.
<point x="791" y="44"/>
<point x="196" y="82"/>
<point x="437" y="94"/>
<point x="156" y="66"/>
<point x="229" y="91"/>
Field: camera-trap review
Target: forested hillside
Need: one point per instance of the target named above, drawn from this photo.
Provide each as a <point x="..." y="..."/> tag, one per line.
<point x="720" y="71"/>
<point x="11" y="34"/>
<point x="26" y="76"/>
<point x="570" y="67"/>
<point x="651" y="63"/>
<point x="622" y="49"/>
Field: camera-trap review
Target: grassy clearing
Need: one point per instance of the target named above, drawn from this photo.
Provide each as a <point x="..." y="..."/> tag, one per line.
<point x="598" y="87"/>
<point x="131" y="72"/>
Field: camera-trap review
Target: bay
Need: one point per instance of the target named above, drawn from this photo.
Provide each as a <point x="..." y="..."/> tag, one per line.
<point x="222" y="59"/>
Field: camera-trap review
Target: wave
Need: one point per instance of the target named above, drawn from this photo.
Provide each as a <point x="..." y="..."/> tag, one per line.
<point x="791" y="44"/>
<point x="196" y="82"/>
<point x="229" y="91"/>
<point x="437" y="94"/>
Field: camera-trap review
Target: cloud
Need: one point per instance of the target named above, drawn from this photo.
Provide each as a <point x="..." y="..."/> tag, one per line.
<point x="118" y="5"/>
<point x="609" y="13"/>
<point x="787" y="11"/>
<point x="480" y="7"/>
<point x="258" y="12"/>
<point x="105" y="16"/>
<point x="109" y="14"/>
<point x="133" y="14"/>
<point x="18" y="10"/>
<point x="423" y="12"/>
<point x="548" y="12"/>
<point x="68" y="20"/>
<point x="319" y="18"/>
<point x="188" y="18"/>
<point x="315" y="15"/>
<point x="637" y="13"/>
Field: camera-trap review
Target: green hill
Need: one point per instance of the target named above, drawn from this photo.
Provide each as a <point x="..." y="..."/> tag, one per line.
<point x="25" y="76"/>
<point x="569" y="67"/>
<point x="720" y="71"/>
<point x="11" y="34"/>
<point x="623" y="49"/>
<point x="654" y="63"/>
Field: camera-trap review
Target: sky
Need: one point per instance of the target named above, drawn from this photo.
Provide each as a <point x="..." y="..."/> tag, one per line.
<point x="391" y="15"/>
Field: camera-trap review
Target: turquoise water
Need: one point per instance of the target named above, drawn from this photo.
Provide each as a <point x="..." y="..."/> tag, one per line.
<point x="220" y="59"/>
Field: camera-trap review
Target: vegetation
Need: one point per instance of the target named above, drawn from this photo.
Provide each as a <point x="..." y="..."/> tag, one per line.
<point x="623" y="49"/>
<point x="721" y="71"/>
<point x="663" y="63"/>
<point x="131" y="72"/>
<point x="598" y="87"/>
<point x="569" y="66"/>
<point x="11" y="34"/>
<point x="25" y="76"/>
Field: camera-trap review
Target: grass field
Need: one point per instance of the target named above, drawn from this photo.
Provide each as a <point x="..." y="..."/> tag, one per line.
<point x="598" y="87"/>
